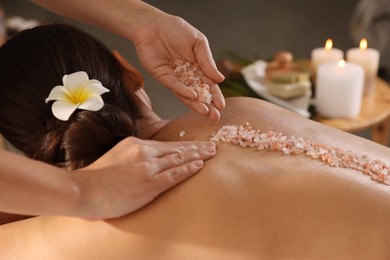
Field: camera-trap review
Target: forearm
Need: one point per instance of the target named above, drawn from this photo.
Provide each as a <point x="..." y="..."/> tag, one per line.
<point x="122" y="17"/>
<point x="30" y="187"/>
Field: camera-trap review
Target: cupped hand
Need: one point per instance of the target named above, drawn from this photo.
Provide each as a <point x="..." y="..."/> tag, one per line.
<point x="135" y="172"/>
<point x="166" y="38"/>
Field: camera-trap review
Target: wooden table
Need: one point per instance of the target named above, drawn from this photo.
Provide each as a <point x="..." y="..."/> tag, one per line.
<point x="374" y="115"/>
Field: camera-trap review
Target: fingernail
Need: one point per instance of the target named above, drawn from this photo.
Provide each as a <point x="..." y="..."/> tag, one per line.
<point x="210" y="147"/>
<point x="198" y="163"/>
<point x="208" y="144"/>
<point x="179" y="157"/>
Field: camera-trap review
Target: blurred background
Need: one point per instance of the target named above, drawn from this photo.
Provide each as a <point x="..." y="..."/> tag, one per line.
<point x="253" y="29"/>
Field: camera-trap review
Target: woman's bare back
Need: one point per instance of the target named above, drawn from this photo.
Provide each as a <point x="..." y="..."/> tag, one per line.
<point x="244" y="204"/>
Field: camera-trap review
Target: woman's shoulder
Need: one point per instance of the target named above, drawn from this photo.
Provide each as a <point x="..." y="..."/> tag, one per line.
<point x="244" y="105"/>
<point x="238" y="110"/>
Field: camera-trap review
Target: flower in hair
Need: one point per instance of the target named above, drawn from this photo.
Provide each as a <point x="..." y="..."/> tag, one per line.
<point x="78" y="92"/>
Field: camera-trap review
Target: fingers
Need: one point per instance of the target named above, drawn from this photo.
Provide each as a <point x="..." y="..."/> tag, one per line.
<point x="218" y="98"/>
<point x="173" y="176"/>
<point x="178" y="87"/>
<point x="205" y="59"/>
<point x="177" y="167"/>
<point x="160" y="149"/>
<point x="213" y="111"/>
<point x="188" y="96"/>
<point x="195" y="105"/>
<point x="179" y="158"/>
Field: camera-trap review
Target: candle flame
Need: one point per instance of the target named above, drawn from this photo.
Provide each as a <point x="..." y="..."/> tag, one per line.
<point x="329" y="44"/>
<point x="363" y="44"/>
<point x="341" y="63"/>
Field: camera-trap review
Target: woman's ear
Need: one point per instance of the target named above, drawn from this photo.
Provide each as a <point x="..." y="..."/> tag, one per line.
<point x="131" y="76"/>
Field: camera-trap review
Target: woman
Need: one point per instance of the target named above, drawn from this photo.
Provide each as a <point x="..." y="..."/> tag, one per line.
<point x="132" y="161"/>
<point x="244" y="204"/>
<point x="154" y="34"/>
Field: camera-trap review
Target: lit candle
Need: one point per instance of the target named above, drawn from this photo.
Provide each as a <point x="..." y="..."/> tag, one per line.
<point x="327" y="54"/>
<point x="339" y="89"/>
<point x="368" y="58"/>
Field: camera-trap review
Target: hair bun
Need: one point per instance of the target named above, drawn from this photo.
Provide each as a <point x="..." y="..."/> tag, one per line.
<point x="87" y="136"/>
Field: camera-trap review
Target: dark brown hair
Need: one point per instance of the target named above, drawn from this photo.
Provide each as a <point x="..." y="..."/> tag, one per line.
<point x="31" y="64"/>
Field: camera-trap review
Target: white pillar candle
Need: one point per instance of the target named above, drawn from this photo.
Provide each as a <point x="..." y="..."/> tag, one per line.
<point x="327" y="54"/>
<point x="339" y="89"/>
<point x="368" y="58"/>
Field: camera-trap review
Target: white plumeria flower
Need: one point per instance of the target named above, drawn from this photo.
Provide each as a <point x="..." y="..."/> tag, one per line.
<point x="78" y="91"/>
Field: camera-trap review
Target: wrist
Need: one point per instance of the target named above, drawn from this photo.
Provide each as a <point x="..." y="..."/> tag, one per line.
<point x="88" y="197"/>
<point x="80" y="198"/>
<point x="128" y="19"/>
<point x="72" y="196"/>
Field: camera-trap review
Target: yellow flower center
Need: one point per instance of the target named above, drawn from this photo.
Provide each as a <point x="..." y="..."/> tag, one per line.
<point x="79" y="95"/>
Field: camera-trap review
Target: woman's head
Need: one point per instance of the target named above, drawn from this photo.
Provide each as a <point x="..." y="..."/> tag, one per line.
<point x="31" y="64"/>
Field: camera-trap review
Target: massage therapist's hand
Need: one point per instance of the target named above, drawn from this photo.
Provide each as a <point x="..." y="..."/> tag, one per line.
<point x="159" y="39"/>
<point x="135" y="172"/>
<point x="165" y="38"/>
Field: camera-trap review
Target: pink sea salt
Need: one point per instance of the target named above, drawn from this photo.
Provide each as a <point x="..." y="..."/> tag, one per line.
<point x="246" y="136"/>
<point x="191" y="75"/>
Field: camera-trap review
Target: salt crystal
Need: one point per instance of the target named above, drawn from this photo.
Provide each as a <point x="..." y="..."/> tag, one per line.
<point x="246" y="136"/>
<point x="182" y="133"/>
<point x="190" y="75"/>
